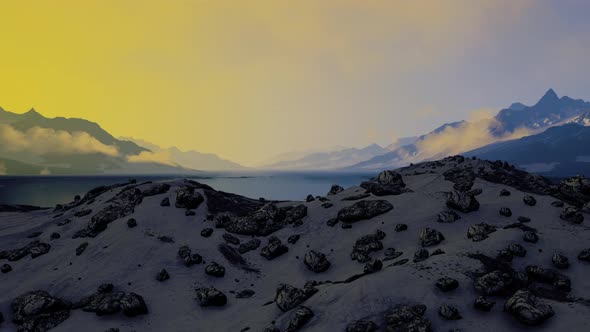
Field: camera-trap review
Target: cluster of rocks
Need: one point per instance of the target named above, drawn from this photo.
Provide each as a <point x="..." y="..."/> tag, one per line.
<point x="386" y="183"/>
<point x="34" y="249"/>
<point x="266" y="220"/>
<point x="363" y="210"/>
<point x="365" y="245"/>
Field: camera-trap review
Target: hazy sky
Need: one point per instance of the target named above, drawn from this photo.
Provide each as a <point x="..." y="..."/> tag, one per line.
<point x="250" y="79"/>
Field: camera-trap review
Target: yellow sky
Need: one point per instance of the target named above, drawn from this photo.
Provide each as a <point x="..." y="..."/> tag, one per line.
<point x="243" y="79"/>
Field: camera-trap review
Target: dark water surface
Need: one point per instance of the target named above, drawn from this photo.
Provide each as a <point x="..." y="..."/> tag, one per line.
<point x="51" y="190"/>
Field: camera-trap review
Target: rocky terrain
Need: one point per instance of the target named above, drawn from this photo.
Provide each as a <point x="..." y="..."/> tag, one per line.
<point x="451" y="245"/>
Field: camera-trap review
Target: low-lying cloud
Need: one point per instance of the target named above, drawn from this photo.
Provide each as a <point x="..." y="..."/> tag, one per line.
<point x="3" y="170"/>
<point x="41" y="141"/>
<point x="159" y="157"/>
<point x="465" y="137"/>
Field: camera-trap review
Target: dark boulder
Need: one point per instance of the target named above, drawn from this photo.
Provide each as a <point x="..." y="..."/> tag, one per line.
<point x="316" y="261"/>
<point x="288" y="297"/>
<point x="516" y="249"/>
<point x="131" y="223"/>
<point x="38" y="311"/>
<point x="373" y="266"/>
<point x="448" y="216"/>
<point x="406" y="318"/>
<point x="293" y="238"/>
<point x="362" y="326"/>
<point x="584" y="255"/>
<point x="462" y="201"/>
<point x="210" y="296"/>
<point x="300" y="317"/>
<point x="462" y="178"/>
<point x="421" y="255"/>
<point x="447" y="284"/>
<point x="527" y="308"/>
<point x="81" y="248"/>
<point x="505" y="212"/>
<point x="529" y="200"/>
<point x="231" y="239"/>
<point x="558" y="204"/>
<point x="187" y="198"/>
<point x="482" y="303"/>
<point x="364" y="210"/>
<point x="309" y="198"/>
<point x="365" y="245"/>
<point x="401" y="227"/>
<point x="572" y="215"/>
<point x="335" y="189"/>
<point x="5" y="268"/>
<point x="327" y="205"/>
<point x="266" y="220"/>
<point x="207" y="232"/>
<point x="480" y="232"/>
<point x="560" y="261"/>
<point x="189" y="259"/>
<point x="391" y="254"/>
<point x="386" y="183"/>
<point x="449" y="312"/>
<point x="249" y="245"/>
<point x="215" y="270"/>
<point x="430" y="237"/>
<point x="162" y="275"/>
<point x="82" y="213"/>
<point x="245" y="294"/>
<point x="273" y="249"/>
<point x="523" y="219"/>
<point x="493" y="282"/>
<point x="165" y="202"/>
<point x="34" y="249"/>
<point x="105" y="301"/>
<point x="504" y="192"/>
<point x="530" y="236"/>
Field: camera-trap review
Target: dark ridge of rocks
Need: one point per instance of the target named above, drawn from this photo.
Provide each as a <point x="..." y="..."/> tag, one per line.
<point x="386" y="183"/>
<point x="293" y="238"/>
<point x="506" y="212"/>
<point x="449" y="312"/>
<point x="107" y="302"/>
<point x="131" y="223"/>
<point x="156" y="189"/>
<point x="463" y="201"/>
<point x="165" y="202"/>
<point x="572" y="214"/>
<point x="249" y="245"/>
<point x="300" y="317"/>
<point x="222" y="202"/>
<point x="401" y="227"/>
<point x="5" y="268"/>
<point x="162" y="275"/>
<point x="356" y="197"/>
<point x="288" y="297"/>
<point x="187" y="198"/>
<point x="89" y="196"/>
<point x="121" y="205"/>
<point x="38" y="311"/>
<point x="20" y="208"/>
<point x="365" y="245"/>
<point x="207" y="232"/>
<point x="267" y="220"/>
<point x="230" y="239"/>
<point x="362" y="326"/>
<point x="273" y="249"/>
<point x="462" y="178"/>
<point x="327" y="205"/>
<point x="527" y="308"/>
<point x="210" y="296"/>
<point x="448" y="216"/>
<point x="364" y="210"/>
<point x="83" y="213"/>
<point x="245" y="294"/>
<point x="34" y="249"/>
<point x="373" y="266"/>
<point x="482" y="303"/>
<point x="215" y="270"/>
<point x="316" y="261"/>
<point x="188" y="258"/>
<point x="335" y="189"/>
<point x="504" y="192"/>
<point x="430" y="237"/>
<point x="480" y="232"/>
<point x="404" y="317"/>
<point x="81" y="248"/>
<point x="447" y="284"/>
<point x="421" y="255"/>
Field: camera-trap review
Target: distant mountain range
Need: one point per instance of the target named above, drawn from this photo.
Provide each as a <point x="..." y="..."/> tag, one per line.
<point x="31" y="144"/>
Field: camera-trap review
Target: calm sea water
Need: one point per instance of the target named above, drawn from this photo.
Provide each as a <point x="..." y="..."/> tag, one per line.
<point x="51" y="190"/>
